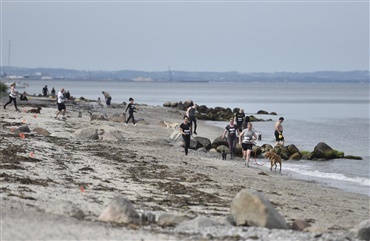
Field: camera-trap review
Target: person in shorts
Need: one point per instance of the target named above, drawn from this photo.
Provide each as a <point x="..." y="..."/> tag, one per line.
<point x="61" y="105"/>
<point x="246" y="141"/>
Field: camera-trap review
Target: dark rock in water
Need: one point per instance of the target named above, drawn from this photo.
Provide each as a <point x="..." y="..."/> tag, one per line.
<point x="282" y="151"/>
<point x="250" y="208"/>
<point x="120" y="210"/>
<point x="273" y="113"/>
<point x="292" y="149"/>
<point x="262" y="112"/>
<point x="322" y="150"/>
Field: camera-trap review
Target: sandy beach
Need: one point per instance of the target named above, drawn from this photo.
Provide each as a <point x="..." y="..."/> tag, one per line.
<point x="41" y="173"/>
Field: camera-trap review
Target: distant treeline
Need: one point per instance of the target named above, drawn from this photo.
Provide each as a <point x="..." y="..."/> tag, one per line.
<point x="356" y="76"/>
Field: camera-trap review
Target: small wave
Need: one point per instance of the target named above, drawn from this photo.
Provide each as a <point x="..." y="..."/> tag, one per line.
<point x="334" y="176"/>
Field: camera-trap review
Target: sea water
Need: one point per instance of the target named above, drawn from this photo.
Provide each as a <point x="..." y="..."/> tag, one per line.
<point x="334" y="113"/>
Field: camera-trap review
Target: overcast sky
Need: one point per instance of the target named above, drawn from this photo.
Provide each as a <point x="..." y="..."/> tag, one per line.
<point x="244" y="36"/>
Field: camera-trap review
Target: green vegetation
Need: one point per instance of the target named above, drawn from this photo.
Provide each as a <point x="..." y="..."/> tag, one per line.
<point x="3" y="87"/>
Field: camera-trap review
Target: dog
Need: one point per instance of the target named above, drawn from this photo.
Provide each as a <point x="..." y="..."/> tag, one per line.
<point x="35" y="110"/>
<point x="274" y="159"/>
<point x="224" y="154"/>
<point x="171" y="124"/>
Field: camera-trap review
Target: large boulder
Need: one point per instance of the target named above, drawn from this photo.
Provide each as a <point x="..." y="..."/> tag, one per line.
<point x="41" y="131"/>
<point x="219" y="141"/>
<point x="362" y="230"/>
<point x="292" y="149"/>
<point x="112" y="136"/>
<point x="203" y="142"/>
<point x="120" y="210"/>
<point x="323" y="150"/>
<point x="282" y="151"/>
<point x="86" y="134"/>
<point x="250" y="208"/>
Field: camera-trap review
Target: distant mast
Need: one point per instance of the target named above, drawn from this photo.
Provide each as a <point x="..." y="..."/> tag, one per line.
<point x="10" y="44"/>
<point x="170" y="73"/>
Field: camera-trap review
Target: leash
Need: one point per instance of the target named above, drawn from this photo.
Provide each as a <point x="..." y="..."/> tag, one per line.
<point x="255" y="159"/>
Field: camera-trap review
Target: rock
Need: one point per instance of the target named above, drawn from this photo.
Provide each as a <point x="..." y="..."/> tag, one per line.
<point x="113" y="136"/>
<point x="266" y="148"/>
<point x="300" y="224"/>
<point x="65" y="208"/>
<point x="168" y="220"/>
<point x="219" y="141"/>
<point x="41" y="131"/>
<point x="175" y="136"/>
<point x="282" y="151"/>
<point x="223" y="148"/>
<point x="362" y="230"/>
<point x="87" y="134"/>
<point x="188" y="103"/>
<point x="203" y="142"/>
<point x="120" y="210"/>
<point x="196" y="224"/>
<point x="24" y="128"/>
<point x="250" y="208"/>
<point x="295" y="156"/>
<point x="202" y="149"/>
<point x="167" y="104"/>
<point x="292" y="149"/>
<point x="262" y="112"/>
<point x="322" y="150"/>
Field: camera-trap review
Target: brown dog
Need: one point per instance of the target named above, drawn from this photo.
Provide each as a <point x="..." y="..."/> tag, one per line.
<point x="274" y="159"/>
<point x="36" y="110"/>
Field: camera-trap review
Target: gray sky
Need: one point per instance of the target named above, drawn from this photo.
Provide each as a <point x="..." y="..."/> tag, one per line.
<point x="244" y="36"/>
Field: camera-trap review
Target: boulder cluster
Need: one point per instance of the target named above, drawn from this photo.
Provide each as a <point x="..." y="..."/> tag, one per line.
<point x="213" y="114"/>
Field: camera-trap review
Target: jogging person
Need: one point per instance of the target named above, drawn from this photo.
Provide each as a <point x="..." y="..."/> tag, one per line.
<point x="131" y="109"/>
<point x="185" y="130"/>
<point x="246" y="141"/>
<point x="12" y="97"/>
<point x="190" y="113"/>
<point x="239" y="119"/>
<point x="231" y="130"/>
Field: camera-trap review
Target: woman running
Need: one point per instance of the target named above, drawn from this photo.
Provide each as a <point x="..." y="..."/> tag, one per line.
<point x="185" y="130"/>
<point x="247" y="142"/>
<point x="231" y="130"/>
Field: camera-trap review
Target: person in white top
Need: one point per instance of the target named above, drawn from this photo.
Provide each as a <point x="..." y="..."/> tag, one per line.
<point x="246" y="141"/>
<point x="61" y="105"/>
<point x="12" y="96"/>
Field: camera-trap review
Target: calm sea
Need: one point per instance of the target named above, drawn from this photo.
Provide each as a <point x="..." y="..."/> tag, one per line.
<point x="334" y="113"/>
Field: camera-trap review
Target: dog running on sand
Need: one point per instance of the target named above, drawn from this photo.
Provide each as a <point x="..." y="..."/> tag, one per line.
<point x="274" y="159"/>
<point x="35" y="110"/>
<point x="171" y="124"/>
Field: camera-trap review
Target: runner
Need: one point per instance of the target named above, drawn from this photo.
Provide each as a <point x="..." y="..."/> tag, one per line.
<point x="185" y="130"/>
<point x="131" y="109"/>
<point x="12" y="96"/>
<point x="239" y="119"/>
<point x="231" y="131"/>
<point x="246" y="141"/>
